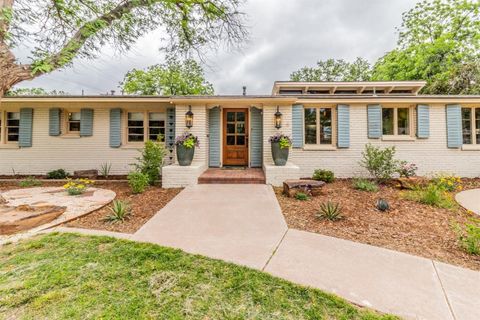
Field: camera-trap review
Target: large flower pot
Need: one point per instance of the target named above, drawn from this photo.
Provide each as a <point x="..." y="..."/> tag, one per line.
<point x="185" y="155"/>
<point x="279" y="155"/>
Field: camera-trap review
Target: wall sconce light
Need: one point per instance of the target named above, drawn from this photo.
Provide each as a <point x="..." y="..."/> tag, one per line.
<point x="278" y="118"/>
<point x="189" y="118"/>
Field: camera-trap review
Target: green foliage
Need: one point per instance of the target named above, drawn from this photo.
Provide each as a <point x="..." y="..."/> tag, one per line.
<point x="138" y="181"/>
<point x="301" y="196"/>
<point x="34" y="92"/>
<point x="433" y="195"/>
<point x="383" y="205"/>
<point x="29" y="182"/>
<point x="323" y="175"/>
<point x="188" y="140"/>
<point x="380" y="163"/>
<point x="58" y="174"/>
<point x="469" y="236"/>
<point x="171" y="78"/>
<point x="330" y="211"/>
<point x="119" y="211"/>
<point x="447" y="182"/>
<point x="105" y="169"/>
<point x="335" y="70"/>
<point x="285" y="143"/>
<point x="151" y="160"/>
<point x="365" y="185"/>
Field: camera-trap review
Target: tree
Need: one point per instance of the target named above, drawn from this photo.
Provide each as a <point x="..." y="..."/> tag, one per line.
<point x="63" y="30"/>
<point x="335" y="70"/>
<point x="439" y="41"/>
<point x="34" y="92"/>
<point x="171" y="78"/>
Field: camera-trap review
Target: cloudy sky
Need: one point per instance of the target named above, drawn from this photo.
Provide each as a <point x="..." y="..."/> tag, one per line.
<point x="285" y="35"/>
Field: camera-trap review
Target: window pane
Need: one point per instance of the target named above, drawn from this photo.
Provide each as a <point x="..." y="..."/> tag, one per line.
<point x="240" y="140"/>
<point x="477" y="124"/>
<point x="231" y="140"/>
<point x="135" y="138"/>
<point x="135" y="131"/>
<point x="240" y="127"/>
<point x="467" y="125"/>
<point x="403" y="121"/>
<point x="155" y="116"/>
<point x="230" y="116"/>
<point x="240" y="116"/>
<point x="230" y="127"/>
<point x="75" y="116"/>
<point x="325" y="126"/>
<point x="310" y="126"/>
<point x="74" y="126"/>
<point x="387" y="121"/>
<point x="13" y="122"/>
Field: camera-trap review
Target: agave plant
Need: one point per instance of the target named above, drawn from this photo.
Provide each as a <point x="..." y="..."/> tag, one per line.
<point x="120" y="211"/>
<point x="330" y="211"/>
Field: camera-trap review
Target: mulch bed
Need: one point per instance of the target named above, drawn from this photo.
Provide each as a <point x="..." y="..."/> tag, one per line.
<point x="408" y="226"/>
<point x="144" y="206"/>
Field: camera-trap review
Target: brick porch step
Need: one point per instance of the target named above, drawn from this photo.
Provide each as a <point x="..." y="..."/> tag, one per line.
<point x="232" y="176"/>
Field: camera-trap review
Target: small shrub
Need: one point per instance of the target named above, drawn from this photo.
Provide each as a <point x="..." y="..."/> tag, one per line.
<point x="151" y="160"/>
<point x="469" y="236"/>
<point x="301" y="196"/>
<point x="447" y="182"/>
<point x="330" y="211"/>
<point x="323" y="175"/>
<point x="380" y="163"/>
<point x="138" y="181"/>
<point x="432" y="195"/>
<point x="283" y="140"/>
<point x="57" y="174"/>
<point x="120" y="211"/>
<point x="29" y="182"/>
<point x="77" y="187"/>
<point x="383" y="205"/>
<point x="365" y="185"/>
<point x="105" y="169"/>
<point x="407" y="170"/>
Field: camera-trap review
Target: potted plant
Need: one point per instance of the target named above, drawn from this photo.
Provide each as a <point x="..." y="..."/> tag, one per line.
<point x="185" y="145"/>
<point x="280" y="146"/>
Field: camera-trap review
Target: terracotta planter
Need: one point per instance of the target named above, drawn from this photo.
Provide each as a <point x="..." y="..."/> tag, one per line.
<point x="279" y="155"/>
<point x="185" y="155"/>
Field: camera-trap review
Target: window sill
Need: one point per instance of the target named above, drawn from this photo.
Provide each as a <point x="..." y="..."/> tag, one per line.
<point x="398" y="138"/>
<point x="9" y="146"/>
<point x="471" y="147"/>
<point x="70" y="136"/>
<point x="319" y="148"/>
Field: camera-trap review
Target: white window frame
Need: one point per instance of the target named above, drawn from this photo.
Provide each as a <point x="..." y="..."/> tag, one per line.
<point x="473" y="126"/>
<point x="146" y="125"/>
<point x="411" y="119"/>
<point x="67" y="122"/>
<point x="319" y="145"/>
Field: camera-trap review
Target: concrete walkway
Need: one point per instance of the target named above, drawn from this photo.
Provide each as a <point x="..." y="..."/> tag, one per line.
<point x="243" y="224"/>
<point x="470" y="200"/>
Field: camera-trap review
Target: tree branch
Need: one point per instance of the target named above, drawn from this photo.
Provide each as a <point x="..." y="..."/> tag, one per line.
<point x="5" y="17"/>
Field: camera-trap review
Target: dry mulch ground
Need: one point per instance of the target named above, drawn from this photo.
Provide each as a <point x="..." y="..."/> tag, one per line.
<point x="143" y="206"/>
<point x="408" y="226"/>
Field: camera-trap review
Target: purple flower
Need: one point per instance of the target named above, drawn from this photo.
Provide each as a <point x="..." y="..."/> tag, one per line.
<point x="188" y="140"/>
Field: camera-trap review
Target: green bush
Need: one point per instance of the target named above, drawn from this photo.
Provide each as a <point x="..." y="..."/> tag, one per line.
<point x="365" y="185"/>
<point x="57" y="174"/>
<point x="301" y="196"/>
<point x="447" y="182"/>
<point x="151" y="160"/>
<point x="120" y="211"/>
<point x="469" y="236"/>
<point x="330" y="211"/>
<point x="380" y="163"/>
<point x="138" y="181"/>
<point x="323" y="175"/>
<point x="433" y="195"/>
<point x="29" y="182"/>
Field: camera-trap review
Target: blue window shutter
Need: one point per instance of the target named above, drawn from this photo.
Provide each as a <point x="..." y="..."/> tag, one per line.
<point x="214" y="137"/>
<point x="170" y="135"/>
<point x="115" y="128"/>
<point x="374" y="117"/>
<point x="297" y="126"/>
<point x="256" y="137"/>
<point x="423" y="121"/>
<point x="86" y="122"/>
<point x="343" y="126"/>
<point x="54" y="122"/>
<point x="25" y="128"/>
<point x="454" y="126"/>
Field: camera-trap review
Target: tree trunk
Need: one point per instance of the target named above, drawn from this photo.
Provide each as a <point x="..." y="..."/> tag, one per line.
<point x="11" y="73"/>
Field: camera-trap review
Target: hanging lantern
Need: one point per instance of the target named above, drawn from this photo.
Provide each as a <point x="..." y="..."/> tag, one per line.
<point x="278" y="118"/>
<point x="189" y="118"/>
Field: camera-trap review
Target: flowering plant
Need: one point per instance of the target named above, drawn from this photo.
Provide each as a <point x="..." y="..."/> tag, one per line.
<point x="448" y="182"/>
<point x="187" y="140"/>
<point x="407" y="170"/>
<point x="78" y="186"/>
<point x="284" y="140"/>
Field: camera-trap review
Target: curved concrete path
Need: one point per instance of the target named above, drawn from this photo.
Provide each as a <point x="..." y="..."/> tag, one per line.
<point x="470" y="200"/>
<point x="243" y="224"/>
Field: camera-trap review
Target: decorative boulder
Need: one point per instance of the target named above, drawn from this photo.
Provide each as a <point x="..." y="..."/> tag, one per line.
<point x="90" y="174"/>
<point x="411" y="182"/>
<point x="291" y="187"/>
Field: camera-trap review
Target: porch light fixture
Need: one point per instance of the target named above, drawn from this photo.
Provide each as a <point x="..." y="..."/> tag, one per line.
<point x="278" y="118"/>
<point x="189" y="118"/>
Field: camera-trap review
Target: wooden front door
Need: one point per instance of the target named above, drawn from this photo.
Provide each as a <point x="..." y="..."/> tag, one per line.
<point x="235" y="137"/>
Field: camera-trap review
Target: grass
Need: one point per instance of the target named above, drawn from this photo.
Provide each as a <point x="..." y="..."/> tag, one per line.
<point x="60" y="276"/>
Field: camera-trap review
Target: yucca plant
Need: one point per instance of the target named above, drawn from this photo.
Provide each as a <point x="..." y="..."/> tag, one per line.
<point x="330" y="211"/>
<point x="105" y="169"/>
<point x="120" y="211"/>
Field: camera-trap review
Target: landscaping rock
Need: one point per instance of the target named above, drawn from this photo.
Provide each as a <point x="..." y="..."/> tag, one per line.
<point x="291" y="187"/>
<point x="90" y="174"/>
<point x="24" y="217"/>
<point x="411" y="182"/>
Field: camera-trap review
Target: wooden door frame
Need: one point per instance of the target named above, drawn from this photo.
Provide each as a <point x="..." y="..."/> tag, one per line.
<point x="247" y="133"/>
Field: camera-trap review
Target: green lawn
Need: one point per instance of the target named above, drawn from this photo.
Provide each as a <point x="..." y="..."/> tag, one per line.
<point x="60" y="276"/>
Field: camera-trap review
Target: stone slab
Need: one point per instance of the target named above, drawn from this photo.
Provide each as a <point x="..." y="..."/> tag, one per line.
<point x="470" y="200"/>
<point x="378" y="278"/>
<point x="237" y="223"/>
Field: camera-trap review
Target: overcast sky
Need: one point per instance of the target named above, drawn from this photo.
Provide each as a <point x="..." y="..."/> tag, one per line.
<point x="285" y="35"/>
